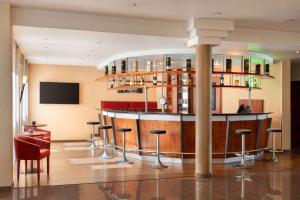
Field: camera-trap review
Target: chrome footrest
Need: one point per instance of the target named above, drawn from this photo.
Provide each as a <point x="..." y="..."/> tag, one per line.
<point x="155" y="154"/>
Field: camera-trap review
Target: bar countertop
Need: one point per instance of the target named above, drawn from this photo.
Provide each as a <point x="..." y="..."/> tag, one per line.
<point x="155" y="115"/>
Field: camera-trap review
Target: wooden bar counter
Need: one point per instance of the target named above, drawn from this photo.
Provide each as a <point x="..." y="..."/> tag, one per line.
<point x="179" y="142"/>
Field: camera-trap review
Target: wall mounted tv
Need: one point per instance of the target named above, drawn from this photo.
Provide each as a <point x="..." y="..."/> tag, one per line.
<point x="59" y="93"/>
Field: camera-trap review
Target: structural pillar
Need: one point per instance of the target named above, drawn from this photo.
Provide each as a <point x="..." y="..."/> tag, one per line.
<point x="6" y="107"/>
<point x="203" y="157"/>
<point x="203" y="34"/>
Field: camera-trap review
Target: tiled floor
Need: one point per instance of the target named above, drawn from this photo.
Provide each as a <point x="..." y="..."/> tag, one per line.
<point x="89" y="177"/>
<point x="276" y="185"/>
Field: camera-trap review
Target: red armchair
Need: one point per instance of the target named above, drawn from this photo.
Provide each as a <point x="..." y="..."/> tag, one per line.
<point x="30" y="148"/>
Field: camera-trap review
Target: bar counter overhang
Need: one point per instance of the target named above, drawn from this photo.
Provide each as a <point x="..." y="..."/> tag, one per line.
<point x="179" y="142"/>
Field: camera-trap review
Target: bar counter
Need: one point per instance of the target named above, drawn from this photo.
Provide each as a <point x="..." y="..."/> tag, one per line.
<point x="179" y="141"/>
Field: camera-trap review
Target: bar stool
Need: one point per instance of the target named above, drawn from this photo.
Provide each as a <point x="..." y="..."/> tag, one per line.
<point x="105" y="155"/>
<point x="274" y="131"/>
<point x="93" y="139"/>
<point x="158" y="163"/>
<point x="243" y="133"/>
<point x="124" y="159"/>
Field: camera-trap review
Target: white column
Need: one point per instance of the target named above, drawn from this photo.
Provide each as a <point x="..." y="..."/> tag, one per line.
<point x="203" y="112"/>
<point x="6" y="127"/>
<point x="203" y="34"/>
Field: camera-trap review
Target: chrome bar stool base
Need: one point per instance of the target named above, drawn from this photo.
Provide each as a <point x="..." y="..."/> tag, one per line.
<point x="93" y="139"/>
<point x="243" y="133"/>
<point x="124" y="158"/>
<point x="158" y="164"/>
<point x="105" y="147"/>
<point x="273" y="151"/>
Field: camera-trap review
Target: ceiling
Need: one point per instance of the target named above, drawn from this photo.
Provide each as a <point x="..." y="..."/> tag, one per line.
<point x="266" y="14"/>
<point x="85" y="48"/>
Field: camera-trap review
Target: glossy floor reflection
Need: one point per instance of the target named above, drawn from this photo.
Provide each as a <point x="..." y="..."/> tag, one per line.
<point x="276" y="185"/>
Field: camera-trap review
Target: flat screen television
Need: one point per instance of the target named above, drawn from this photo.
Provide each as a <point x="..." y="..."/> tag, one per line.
<point x="59" y="93"/>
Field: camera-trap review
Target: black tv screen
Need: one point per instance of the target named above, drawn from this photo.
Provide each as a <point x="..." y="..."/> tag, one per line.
<point x="59" y="93"/>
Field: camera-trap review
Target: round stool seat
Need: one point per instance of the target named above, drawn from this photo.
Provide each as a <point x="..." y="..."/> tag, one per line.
<point x="275" y="130"/>
<point x="242" y="132"/>
<point x="124" y="129"/>
<point x="105" y="127"/>
<point x="93" y="123"/>
<point x="158" y="132"/>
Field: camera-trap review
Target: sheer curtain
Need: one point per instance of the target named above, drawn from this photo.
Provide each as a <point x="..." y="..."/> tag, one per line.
<point x="20" y="90"/>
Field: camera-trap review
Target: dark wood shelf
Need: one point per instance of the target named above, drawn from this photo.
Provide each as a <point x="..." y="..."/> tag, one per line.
<point x="235" y="86"/>
<point x="127" y="87"/>
<point x="244" y="74"/>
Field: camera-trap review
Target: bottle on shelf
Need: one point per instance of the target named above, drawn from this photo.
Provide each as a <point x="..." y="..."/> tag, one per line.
<point x="124" y="81"/>
<point x="168" y="63"/>
<point x="189" y="79"/>
<point x="114" y="69"/>
<point x="237" y="81"/>
<point x="188" y="64"/>
<point x="106" y="70"/>
<point x="228" y="65"/>
<point x="246" y="65"/>
<point x="267" y="69"/>
<point x="149" y="67"/>
<point x="123" y="66"/>
<point x="222" y="80"/>
<point x="135" y="65"/>
<point x="154" y="79"/>
<point x="131" y="83"/>
<point x="142" y="81"/>
<point x="111" y="82"/>
<point x="257" y="69"/>
<point x="173" y="79"/>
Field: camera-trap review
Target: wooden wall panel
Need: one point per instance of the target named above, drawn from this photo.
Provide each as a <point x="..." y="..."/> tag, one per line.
<point x="170" y="142"/>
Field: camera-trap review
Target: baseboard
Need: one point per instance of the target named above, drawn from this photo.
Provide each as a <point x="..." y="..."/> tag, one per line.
<point x="5" y="188"/>
<point x="68" y="141"/>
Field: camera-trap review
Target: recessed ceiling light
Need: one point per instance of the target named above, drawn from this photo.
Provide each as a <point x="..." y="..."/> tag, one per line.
<point x="218" y="14"/>
<point x="298" y="52"/>
<point x="291" y="21"/>
<point x="46" y="47"/>
<point x="99" y="43"/>
<point x="132" y="4"/>
<point x="92" y="50"/>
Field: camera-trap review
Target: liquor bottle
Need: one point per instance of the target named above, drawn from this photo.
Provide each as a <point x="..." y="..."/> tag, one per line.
<point x="106" y="70"/>
<point x="188" y="64"/>
<point x="111" y="83"/>
<point x="228" y="65"/>
<point x="154" y="79"/>
<point x="255" y="83"/>
<point x="168" y="63"/>
<point x="257" y="69"/>
<point x="142" y="82"/>
<point x="237" y="82"/>
<point x="222" y="80"/>
<point x="123" y="81"/>
<point x="131" y="81"/>
<point x="149" y="67"/>
<point x="123" y="66"/>
<point x="173" y="79"/>
<point x="136" y="66"/>
<point x="267" y="69"/>
<point x="189" y="79"/>
<point x="246" y="65"/>
<point x="114" y="69"/>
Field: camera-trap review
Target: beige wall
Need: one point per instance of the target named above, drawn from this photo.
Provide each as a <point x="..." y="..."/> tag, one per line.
<point x="275" y="93"/>
<point x="6" y="109"/>
<point x="68" y="122"/>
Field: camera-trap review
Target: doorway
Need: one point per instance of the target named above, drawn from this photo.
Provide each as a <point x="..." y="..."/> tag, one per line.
<point x="295" y="119"/>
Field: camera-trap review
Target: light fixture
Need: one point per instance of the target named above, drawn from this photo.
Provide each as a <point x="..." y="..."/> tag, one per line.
<point x="99" y="43"/>
<point x="218" y="14"/>
<point x="298" y="52"/>
<point x="291" y="21"/>
<point x="92" y="50"/>
<point x="132" y="4"/>
<point x="46" y="47"/>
